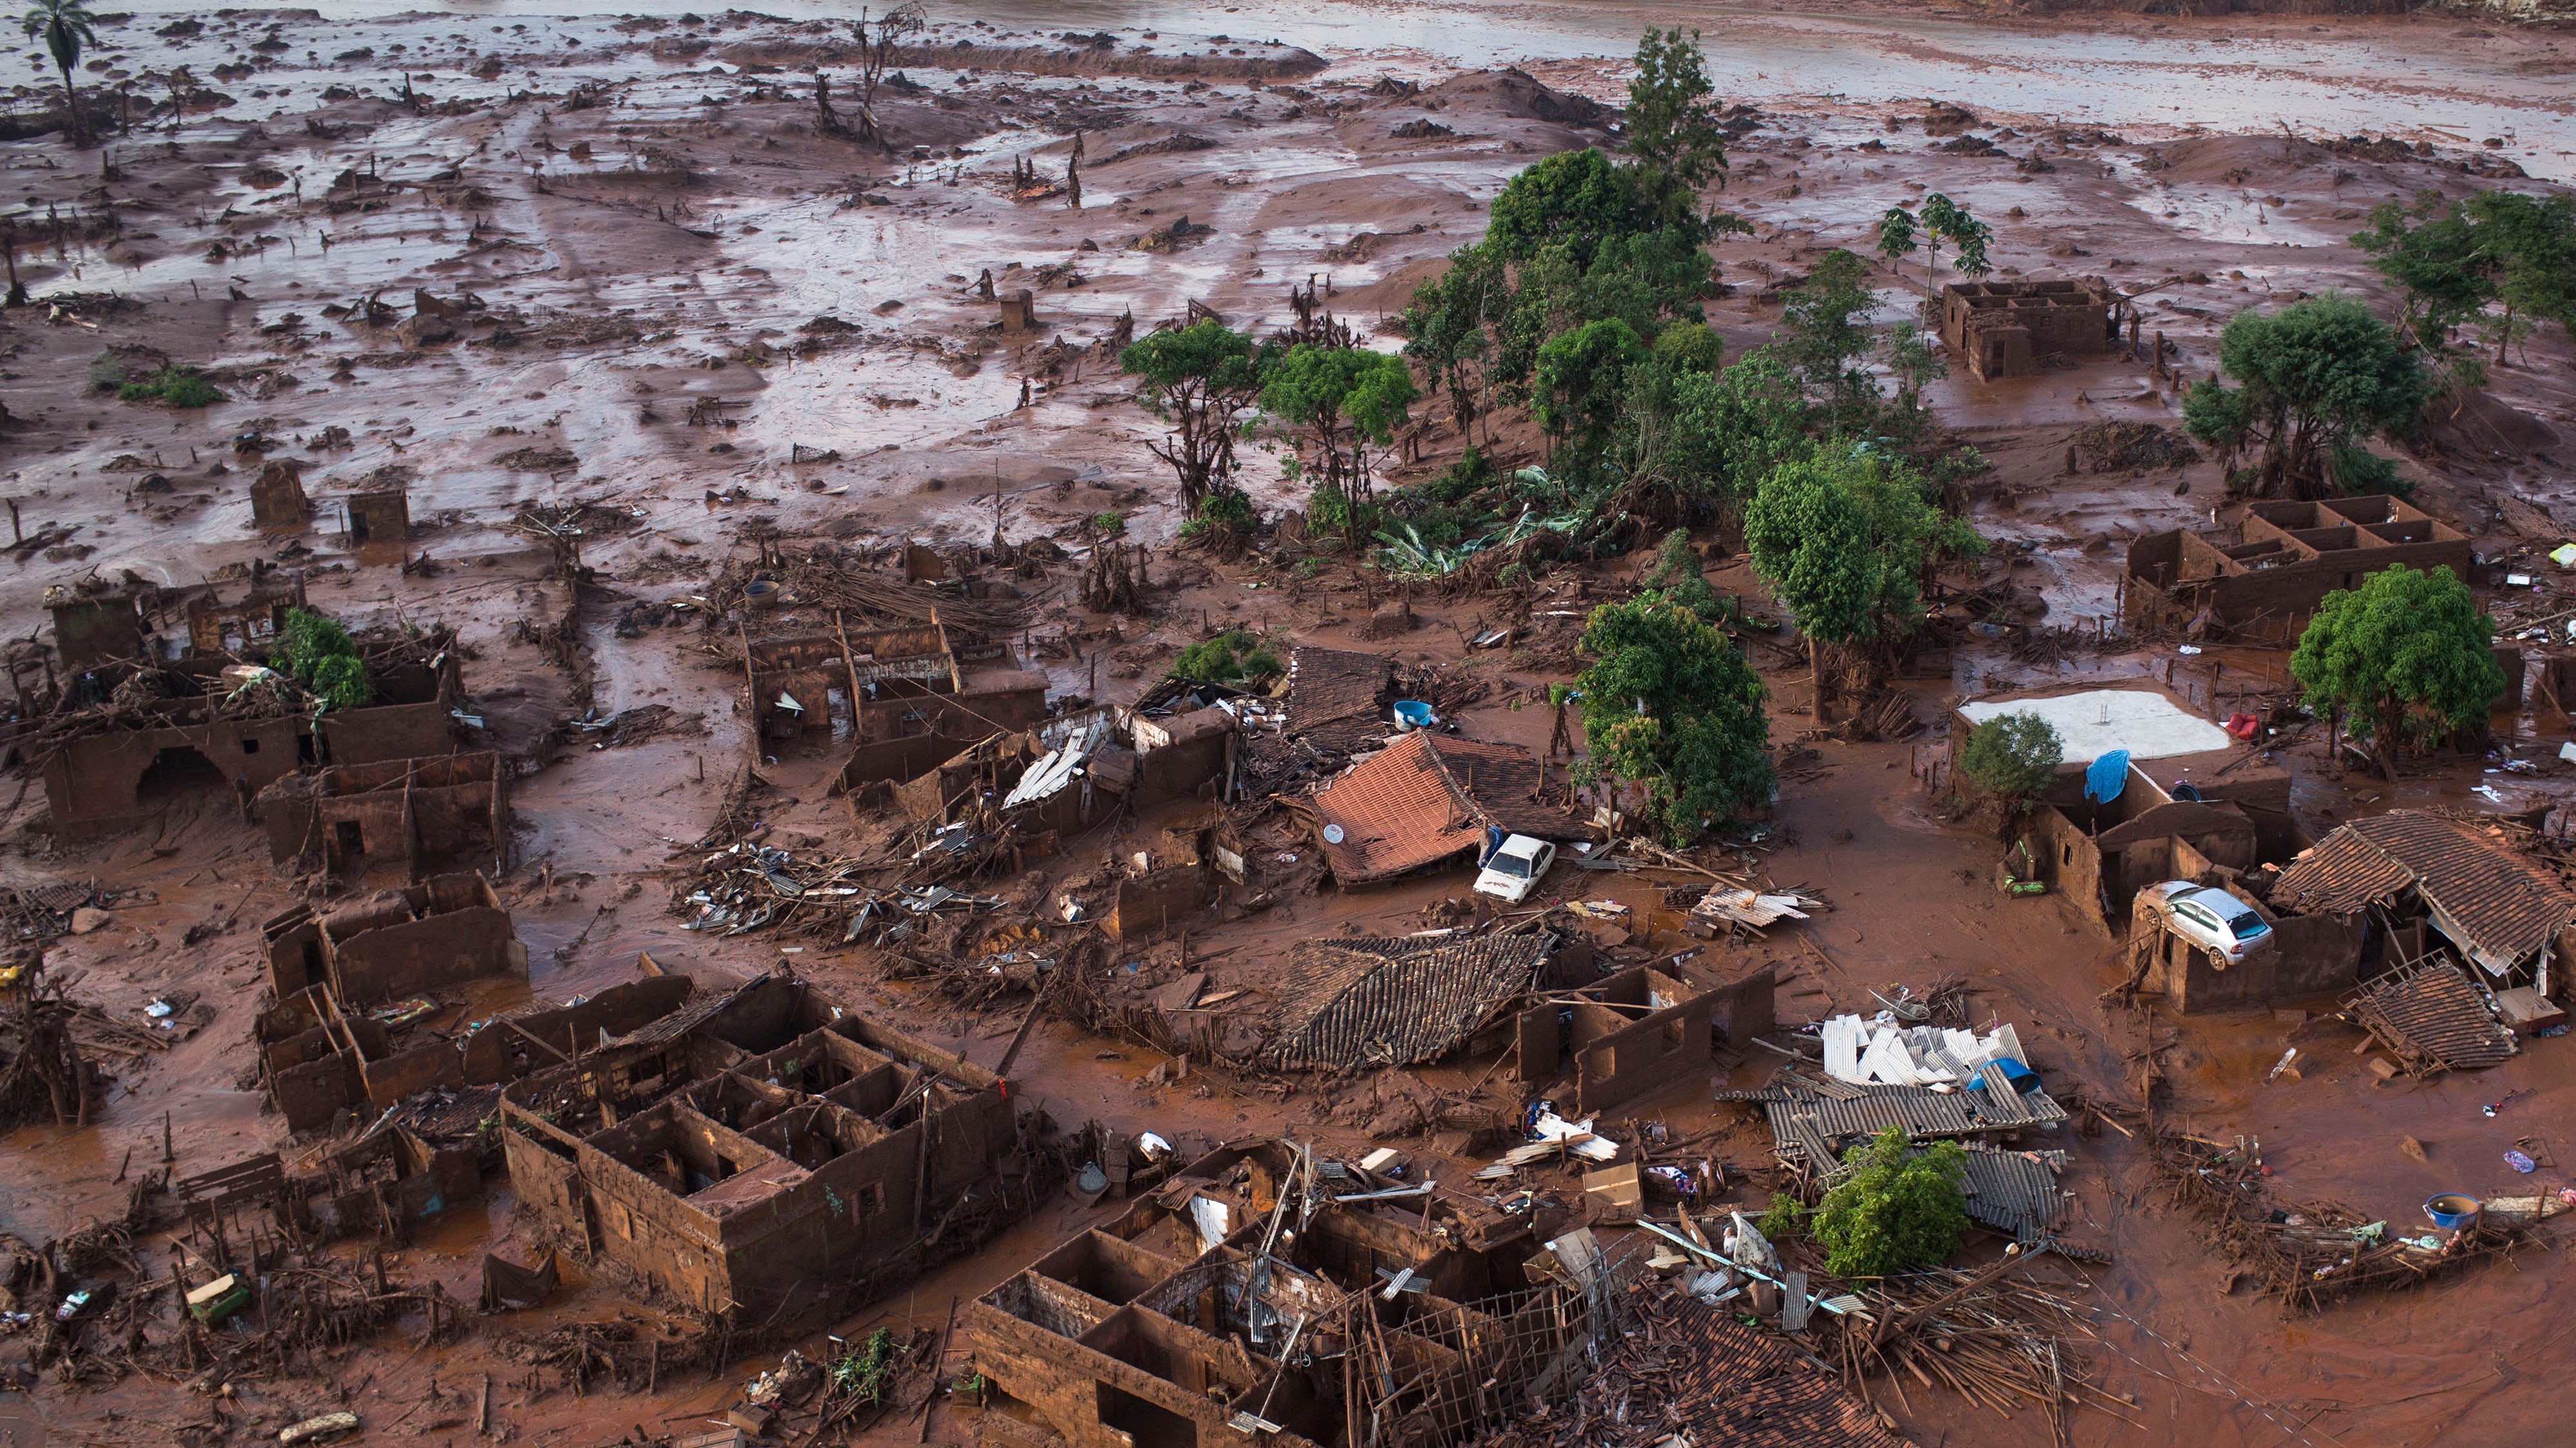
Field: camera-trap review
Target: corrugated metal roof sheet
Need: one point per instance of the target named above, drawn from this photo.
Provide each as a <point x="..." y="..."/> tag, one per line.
<point x="1394" y="1001"/>
<point x="2436" y="1018"/>
<point x="1919" y="1112"/>
<point x="2016" y="1191"/>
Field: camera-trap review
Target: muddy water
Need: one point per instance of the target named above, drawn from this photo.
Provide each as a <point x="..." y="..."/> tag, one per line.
<point x="2415" y="80"/>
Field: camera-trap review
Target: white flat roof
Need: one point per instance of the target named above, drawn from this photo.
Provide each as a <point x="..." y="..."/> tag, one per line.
<point x="2097" y="721"/>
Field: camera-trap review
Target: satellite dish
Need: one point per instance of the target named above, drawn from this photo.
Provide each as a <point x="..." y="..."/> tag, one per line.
<point x="1332" y="834"/>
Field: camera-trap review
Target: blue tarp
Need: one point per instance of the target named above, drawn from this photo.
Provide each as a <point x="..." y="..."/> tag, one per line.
<point x="2107" y="776"/>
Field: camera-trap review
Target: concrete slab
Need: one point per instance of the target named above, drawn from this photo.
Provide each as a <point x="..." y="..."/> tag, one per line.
<point x="2097" y="721"/>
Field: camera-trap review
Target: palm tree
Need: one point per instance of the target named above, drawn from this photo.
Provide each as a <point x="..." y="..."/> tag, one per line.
<point x="65" y="25"/>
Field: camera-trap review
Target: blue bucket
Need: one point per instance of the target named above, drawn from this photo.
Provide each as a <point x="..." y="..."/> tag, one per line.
<point x="1412" y="714"/>
<point x="2452" y="1210"/>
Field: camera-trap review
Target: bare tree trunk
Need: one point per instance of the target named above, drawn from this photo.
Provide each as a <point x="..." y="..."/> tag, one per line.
<point x="72" y="129"/>
<point x="1816" y="672"/>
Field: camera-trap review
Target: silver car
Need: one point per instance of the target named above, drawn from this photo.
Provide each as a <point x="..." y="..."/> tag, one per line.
<point x="2219" y="923"/>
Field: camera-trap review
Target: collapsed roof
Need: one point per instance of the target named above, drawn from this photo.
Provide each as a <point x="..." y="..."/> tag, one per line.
<point x="1425" y="799"/>
<point x="2495" y="907"/>
<point x="1395" y="1002"/>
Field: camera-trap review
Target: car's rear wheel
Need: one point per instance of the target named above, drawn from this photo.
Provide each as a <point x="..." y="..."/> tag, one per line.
<point x="2217" y="959"/>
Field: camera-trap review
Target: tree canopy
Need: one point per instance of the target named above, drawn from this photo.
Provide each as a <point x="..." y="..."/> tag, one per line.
<point x="2453" y="261"/>
<point x="1846" y="541"/>
<point x="1196" y="378"/>
<point x="2014" y="756"/>
<point x="2404" y="658"/>
<point x="1902" y="1207"/>
<point x="2315" y="379"/>
<point x="1671" y="706"/>
<point x="65" y="26"/>
<point x="1344" y="399"/>
<point x="1672" y="120"/>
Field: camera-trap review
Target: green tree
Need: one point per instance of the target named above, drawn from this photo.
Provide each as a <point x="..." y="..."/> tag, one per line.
<point x="2013" y="757"/>
<point x="315" y="651"/>
<point x="2404" y="658"/>
<point x="1226" y="658"/>
<point x="1581" y="380"/>
<point x="2426" y="249"/>
<point x="1676" y="573"/>
<point x="2531" y="242"/>
<point x="1344" y="399"/>
<point x="2317" y="377"/>
<point x="1896" y="231"/>
<point x="1196" y="378"/>
<point x="1946" y="220"/>
<point x="1672" y="120"/>
<point x="1902" y="1207"/>
<point x="65" y="26"/>
<point x="1729" y="431"/>
<point x="1577" y="199"/>
<point x="1669" y="705"/>
<point x="1687" y="347"/>
<point x="1446" y="325"/>
<point x="1845" y="543"/>
<point x="1826" y="324"/>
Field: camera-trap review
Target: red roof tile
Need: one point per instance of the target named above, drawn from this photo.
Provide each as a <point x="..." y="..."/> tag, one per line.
<point x="1424" y="799"/>
<point x="1396" y="811"/>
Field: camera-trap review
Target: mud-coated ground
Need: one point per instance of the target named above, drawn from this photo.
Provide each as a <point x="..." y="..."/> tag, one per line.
<point x="686" y="286"/>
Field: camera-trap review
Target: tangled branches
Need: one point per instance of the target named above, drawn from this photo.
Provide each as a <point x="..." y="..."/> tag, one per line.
<point x="44" y="1071"/>
<point x="2313" y="1255"/>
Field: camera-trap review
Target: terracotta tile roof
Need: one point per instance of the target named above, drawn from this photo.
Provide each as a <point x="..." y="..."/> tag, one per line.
<point x="1412" y="804"/>
<point x="2434" y="1018"/>
<point x="1393" y="1002"/>
<point x="1395" y="811"/>
<point x="2488" y="901"/>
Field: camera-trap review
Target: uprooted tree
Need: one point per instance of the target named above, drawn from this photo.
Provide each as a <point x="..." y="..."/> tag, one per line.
<point x="2315" y="380"/>
<point x="1671" y="707"/>
<point x="2403" y="659"/>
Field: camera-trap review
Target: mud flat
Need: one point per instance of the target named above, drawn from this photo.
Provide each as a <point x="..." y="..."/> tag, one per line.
<point x="625" y="316"/>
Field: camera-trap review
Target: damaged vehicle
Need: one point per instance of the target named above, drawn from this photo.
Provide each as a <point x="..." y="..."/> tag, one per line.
<point x="1513" y="868"/>
<point x="2217" y="922"/>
